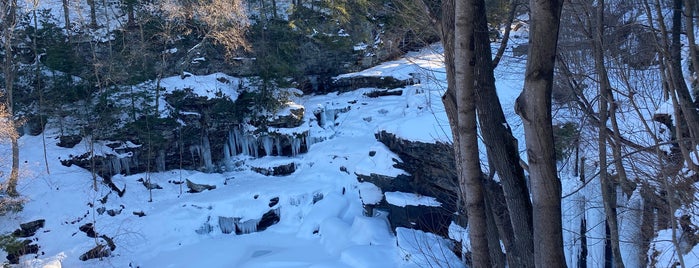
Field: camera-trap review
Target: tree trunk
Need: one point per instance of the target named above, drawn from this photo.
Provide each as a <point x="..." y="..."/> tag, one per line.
<point x="66" y="16"/>
<point x="689" y="8"/>
<point x="470" y="179"/>
<point x="9" y="9"/>
<point x="93" y="13"/>
<point x="494" y="247"/>
<point x="506" y="35"/>
<point x="689" y="109"/>
<point x="497" y="207"/>
<point x="607" y="184"/>
<point x="534" y="107"/>
<point x="501" y="146"/>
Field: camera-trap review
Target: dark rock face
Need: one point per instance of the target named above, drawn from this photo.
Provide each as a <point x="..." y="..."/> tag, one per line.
<point x="292" y="120"/>
<point x="346" y="84"/>
<point x="19" y="248"/>
<point x="29" y="228"/>
<point x="26" y="247"/>
<point x="431" y="165"/>
<point x="229" y="225"/>
<point x="433" y="173"/>
<point x="88" y="229"/>
<point x="281" y="170"/>
<point x="69" y="141"/>
<point x="196" y="187"/>
<point x="268" y="219"/>
<point x="97" y="252"/>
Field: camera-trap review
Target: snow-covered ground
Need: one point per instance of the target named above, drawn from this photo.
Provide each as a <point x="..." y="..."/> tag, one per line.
<point x="321" y="215"/>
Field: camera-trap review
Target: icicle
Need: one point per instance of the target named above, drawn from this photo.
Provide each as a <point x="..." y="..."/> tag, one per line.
<point x="126" y="164"/>
<point x="252" y="142"/>
<point x="244" y="144"/>
<point x="194" y="151"/>
<point x="267" y="144"/>
<point x="278" y="145"/>
<point x="206" y="153"/>
<point x="116" y="165"/>
<point x="226" y="153"/>
<point x="160" y="161"/>
<point x="249" y="226"/>
<point x="295" y="146"/>
<point x="227" y="224"/>
<point x="232" y="146"/>
<point x="323" y="117"/>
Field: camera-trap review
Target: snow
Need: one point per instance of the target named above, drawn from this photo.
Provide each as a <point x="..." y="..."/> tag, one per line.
<point x="402" y="199"/>
<point x="210" y="86"/>
<point x="319" y="205"/>
<point x="426" y="249"/>
<point x="369" y="193"/>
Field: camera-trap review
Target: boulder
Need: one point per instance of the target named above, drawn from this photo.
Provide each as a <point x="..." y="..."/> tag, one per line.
<point x="432" y="173"/>
<point x="29" y="228"/>
<point x="21" y="248"/>
<point x="196" y="187"/>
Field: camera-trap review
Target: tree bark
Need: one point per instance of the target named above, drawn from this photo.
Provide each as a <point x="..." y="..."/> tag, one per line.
<point x="470" y="178"/>
<point x="501" y="147"/>
<point x="689" y="109"/>
<point x="93" y="13"/>
<point x="9" y="20"/>
<point x="534" y="107"/>
<point x="66" y="16"/>
<point x="605" y="96"/>
<point x="689" y="8"/>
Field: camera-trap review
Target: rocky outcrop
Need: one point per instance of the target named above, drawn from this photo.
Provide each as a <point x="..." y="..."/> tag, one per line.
<point x="349" y="83"/>
<point x="432" y="173"/>
<point x="278" y="170"/>
<point x="197" y="188"/>
<point x="29" y="228"/>
<point x="15" y="247"/>
<point x="431" y="165"/>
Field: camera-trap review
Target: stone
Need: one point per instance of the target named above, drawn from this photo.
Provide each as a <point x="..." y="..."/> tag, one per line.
<point x="88" y="229"/>
<point x="69" y="141"/>
<point x="97" y="252"/>
<point x="280" y="170"/>
<point x="432" y="173"/>
<point x="23" y="248"/>
<point x="273" y="202"/>
<point x="29" y="228"/>
<point x="196" y="187"/>
<point x="268" y="219"/>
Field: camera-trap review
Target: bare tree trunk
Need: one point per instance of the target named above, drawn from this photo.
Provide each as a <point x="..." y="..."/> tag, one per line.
<point x="689" y="7"/>
<point x="37" y="73"/>
<point x="608" y="185"/>
<point x="494" y="247"/>
<point x="470" y="179"/>
<point x="506" y="36"/>
<point x="66" y="16"/>
<point x="688" y="119"/>
<point x="534" y="107"/>
<point x="8" y="19"/>
<point x="93" y="13"/>
<point x="689" y="109"/>
<point x="274" y="9"/>
<point x="501" y="147"/>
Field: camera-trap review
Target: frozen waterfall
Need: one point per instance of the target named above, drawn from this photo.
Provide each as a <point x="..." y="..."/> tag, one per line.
<point x="257" y="145"/>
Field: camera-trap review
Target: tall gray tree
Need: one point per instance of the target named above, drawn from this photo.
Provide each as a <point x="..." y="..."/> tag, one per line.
<point x="8" y="21"/>
<point x="466" y="150"/>
<point x="501" y="147"/>
<point x="534" y="107"/>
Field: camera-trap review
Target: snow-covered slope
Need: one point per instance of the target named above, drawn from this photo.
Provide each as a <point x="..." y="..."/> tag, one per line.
<point x="321" y="216"/>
